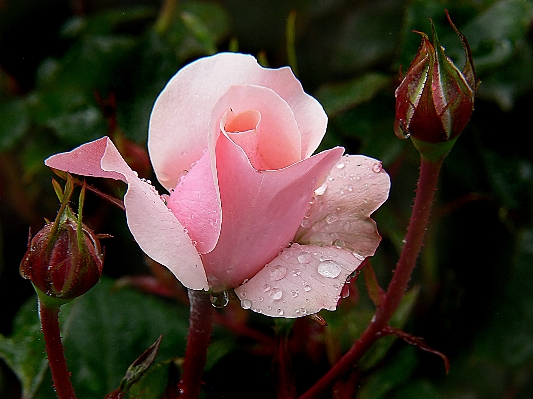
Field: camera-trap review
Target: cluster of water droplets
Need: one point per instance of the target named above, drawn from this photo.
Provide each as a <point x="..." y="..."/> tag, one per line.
<point x="330" y="217"/>
<point x="292" y="278"/>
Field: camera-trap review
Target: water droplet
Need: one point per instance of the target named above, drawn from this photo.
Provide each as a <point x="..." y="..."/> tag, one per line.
<point x="321" y="239"/>
<point x="219" y="299"/>
<point x="340" y="165"/>
<point x="329" y="268"/>
<point x="278" y="272"/>
<point x="266" y="287"/>
<point x="305" y="258"/>
<point x="331" y="218"/>
<point x="276" y="294"/>
<point x="246" y="304"/>
<point x="358" y="256"/>
<point x="295" y="293"/>
<point x="307" y="287"/>
<point x="306" y="223"/>
<point x="339" y="243"/>
<point x="279" y="312"/>
<point x="296" y="272"/>
<point x="345" y="292"/>
<point x="322" y="189"/>
<point x="377" y="167"/>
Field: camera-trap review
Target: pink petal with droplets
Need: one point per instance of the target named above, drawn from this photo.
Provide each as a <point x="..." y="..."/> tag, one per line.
<point x="300" y="281"/>
<point x="179" y="123"/>
<point x="340" y="212"/>
<point x="195" y="203"/>
<point x="157" y="231"/>
<point x="261" y="211"/>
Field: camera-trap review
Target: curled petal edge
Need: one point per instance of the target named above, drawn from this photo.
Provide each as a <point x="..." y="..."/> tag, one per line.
<point x="154" y="227"/>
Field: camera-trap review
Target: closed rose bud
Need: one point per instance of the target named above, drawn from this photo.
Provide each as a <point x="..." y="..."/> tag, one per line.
<point x="62" y="263"/>
<point x="435" y="99"/>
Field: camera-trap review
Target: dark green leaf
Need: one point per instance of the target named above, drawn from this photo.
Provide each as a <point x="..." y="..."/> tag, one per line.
<point x="339" y="97"/>
<point x="14" y="122"/>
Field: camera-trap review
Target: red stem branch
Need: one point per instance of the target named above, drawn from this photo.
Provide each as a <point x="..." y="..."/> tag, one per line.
<point x="49" y="316"/>
<point x="200" y="325"/>
<point x="427" y="183"/>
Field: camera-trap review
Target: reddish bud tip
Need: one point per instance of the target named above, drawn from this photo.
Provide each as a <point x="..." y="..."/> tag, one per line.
<point x="435" y="99"/>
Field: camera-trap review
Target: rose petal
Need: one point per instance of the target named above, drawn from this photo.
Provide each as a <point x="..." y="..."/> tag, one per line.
<point x="181" y="115"/>
<point x="195" y="203"/>
<point x="302" y="280"/>
<point x="340" y="212"/>
<point x="277" y="139"/>
<point x="261" y="211"/>
<point x="155" y="228"/>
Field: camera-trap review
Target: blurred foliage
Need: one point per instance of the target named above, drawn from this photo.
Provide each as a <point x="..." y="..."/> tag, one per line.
<point x="73" y="71"/>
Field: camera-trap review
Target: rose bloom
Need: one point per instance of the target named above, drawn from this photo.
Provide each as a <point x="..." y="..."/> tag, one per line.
<point x="248" y="207"/>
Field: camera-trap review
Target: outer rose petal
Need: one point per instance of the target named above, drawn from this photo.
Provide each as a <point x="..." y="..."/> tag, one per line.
<point x="340" y="212"/>
<point x="155" y="228"/>
<point x="180" y="119"/>
<point x="196" y="204"/>
<point x="301" y="281"/>
<point x="261" y="211"/>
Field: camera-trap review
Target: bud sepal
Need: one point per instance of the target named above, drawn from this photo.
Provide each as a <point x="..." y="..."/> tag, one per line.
<point x="64" y="259"/>
<point x="435" y="99"/>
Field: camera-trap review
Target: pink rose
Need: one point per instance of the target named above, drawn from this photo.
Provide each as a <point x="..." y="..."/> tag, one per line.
<point x="248" y="206"/>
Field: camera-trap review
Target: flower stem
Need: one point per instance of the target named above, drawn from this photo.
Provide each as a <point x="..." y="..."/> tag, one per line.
<point x="427" y="183"/>
<point x="200" y="325"/>
<point x="49" y="316"/>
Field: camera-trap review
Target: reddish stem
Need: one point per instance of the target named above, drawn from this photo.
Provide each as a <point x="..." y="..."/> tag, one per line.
<point x="49" y="316"/>
<point x="427" y="183"/>
<point x="200" y="325"/>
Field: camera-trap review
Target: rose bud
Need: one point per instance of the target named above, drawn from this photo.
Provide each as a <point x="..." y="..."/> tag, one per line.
<point x="64" y="259"/>
<point x="435" y="99"/>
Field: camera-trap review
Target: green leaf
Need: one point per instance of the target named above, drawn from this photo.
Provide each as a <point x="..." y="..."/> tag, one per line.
<point x="14" y="122"/>
<point x="103" y="333"/>
<point x="24" y="350"/>
<point x="494" y="34"/>
<point x="339" y="97"/>
<point x="391" y="375"/>
<point x="398" y="320"/>
<point x="152" y="384"/>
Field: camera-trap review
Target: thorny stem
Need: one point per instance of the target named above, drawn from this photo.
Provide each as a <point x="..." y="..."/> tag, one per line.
<point x="200" y="325"/>
<point x="49" y="316"/>
<point x="427" y="183"/>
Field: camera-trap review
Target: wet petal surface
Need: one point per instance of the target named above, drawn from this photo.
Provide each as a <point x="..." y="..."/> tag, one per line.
<point x="300" y="281"/>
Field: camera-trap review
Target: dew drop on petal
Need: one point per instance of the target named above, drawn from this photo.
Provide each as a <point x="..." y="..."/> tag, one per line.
<point x="322" y="189"/>
<point x="329" y="268"/>
<point x="307" y="287"/>
<point x="358" y="256"/>
<point x="246" y="304"/>
<point x="219" y="299"/>
<point x="276" y="294"/>
<point x="279" y="312"/>
<point x="266" y="287"/>
<point x="278" y="272"/>
<point x="305" y="258"/>
<point x="331" y="218"/>
<point x="340" y="165"/>
<point x="306" y="223"/>
<point x="321" y="239"/>
<point x="377" y="167"/>
<point x="339" y="243"/>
